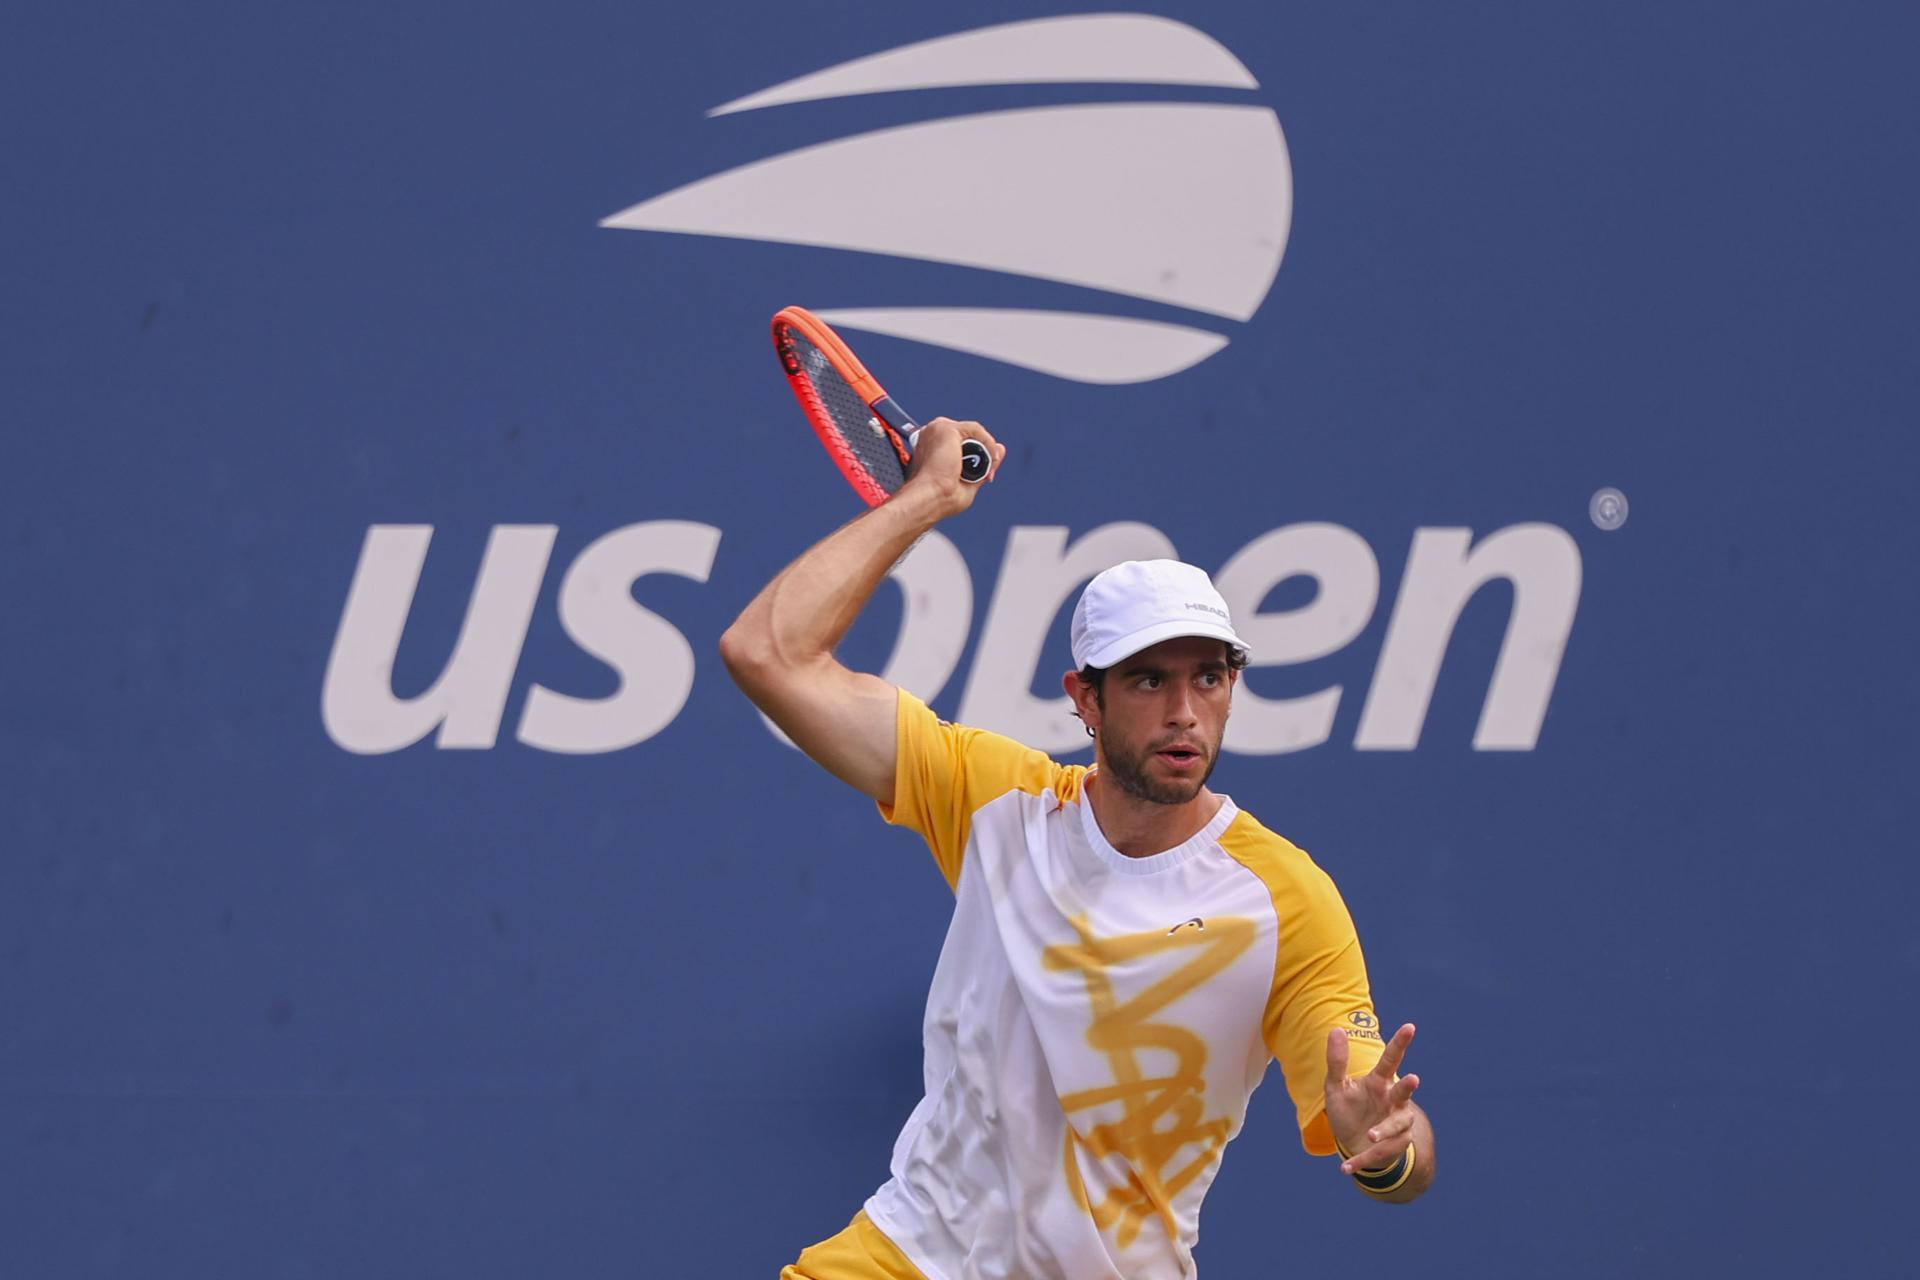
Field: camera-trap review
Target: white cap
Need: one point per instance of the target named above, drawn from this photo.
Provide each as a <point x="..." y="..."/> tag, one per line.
<point x="1136" y="605"/>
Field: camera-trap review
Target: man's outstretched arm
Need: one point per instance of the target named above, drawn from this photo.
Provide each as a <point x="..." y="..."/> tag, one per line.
<point x="780" y="649"/>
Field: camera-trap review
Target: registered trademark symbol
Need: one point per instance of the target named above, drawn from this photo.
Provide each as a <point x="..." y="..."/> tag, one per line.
<point x="1608" y="507"/>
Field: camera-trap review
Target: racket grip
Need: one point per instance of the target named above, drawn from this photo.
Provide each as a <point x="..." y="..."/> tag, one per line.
<point x="974" y="462"/>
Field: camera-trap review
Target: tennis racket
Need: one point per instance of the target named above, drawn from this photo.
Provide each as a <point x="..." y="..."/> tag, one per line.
<point x="867" y="434"/>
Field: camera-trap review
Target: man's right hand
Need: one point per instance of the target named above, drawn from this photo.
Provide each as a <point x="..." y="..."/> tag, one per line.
<point x="935" y="471"/>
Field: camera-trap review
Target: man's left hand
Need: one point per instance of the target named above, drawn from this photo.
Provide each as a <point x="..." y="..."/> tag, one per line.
<point x="1372" y="1115"/>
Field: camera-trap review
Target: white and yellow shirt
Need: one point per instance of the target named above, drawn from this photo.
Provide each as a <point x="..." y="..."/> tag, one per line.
<point x="1097" y="1022"/>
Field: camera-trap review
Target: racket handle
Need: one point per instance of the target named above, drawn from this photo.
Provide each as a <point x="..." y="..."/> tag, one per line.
<point x="974" y="461"/>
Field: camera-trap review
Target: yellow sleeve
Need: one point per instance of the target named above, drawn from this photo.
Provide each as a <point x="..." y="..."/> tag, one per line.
<point x="944" y="772"/>
<point x="1319" y="977"/>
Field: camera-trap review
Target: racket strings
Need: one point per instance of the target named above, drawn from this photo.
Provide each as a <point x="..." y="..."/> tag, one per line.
<point x="865" y="442"/>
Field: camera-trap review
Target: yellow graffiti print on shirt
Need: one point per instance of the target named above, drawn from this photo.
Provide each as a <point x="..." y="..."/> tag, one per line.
<point x="1161" y="1117"/>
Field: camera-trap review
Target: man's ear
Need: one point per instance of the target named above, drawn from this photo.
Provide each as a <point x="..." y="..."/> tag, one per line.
<point x="1079" y="694"/>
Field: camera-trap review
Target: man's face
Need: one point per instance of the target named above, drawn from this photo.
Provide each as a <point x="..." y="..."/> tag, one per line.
<point x="1161" y="715"/>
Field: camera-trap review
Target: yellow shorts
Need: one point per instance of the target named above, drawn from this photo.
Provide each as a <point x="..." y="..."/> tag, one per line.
<point x="858" y="1253"/>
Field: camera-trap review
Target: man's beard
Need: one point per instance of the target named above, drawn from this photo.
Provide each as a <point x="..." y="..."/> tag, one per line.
<point x="1128" y="768"/>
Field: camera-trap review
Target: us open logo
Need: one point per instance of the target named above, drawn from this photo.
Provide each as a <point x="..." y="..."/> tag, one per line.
<point x="1176" y="208"/>
<point x="1185" y="204"/>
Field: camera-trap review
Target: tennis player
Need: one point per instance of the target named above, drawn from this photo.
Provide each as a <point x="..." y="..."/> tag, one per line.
<point x="1128" y="949"/>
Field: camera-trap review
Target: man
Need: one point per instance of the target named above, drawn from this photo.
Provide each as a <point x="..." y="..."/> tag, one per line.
<point x="1128" y="950"/>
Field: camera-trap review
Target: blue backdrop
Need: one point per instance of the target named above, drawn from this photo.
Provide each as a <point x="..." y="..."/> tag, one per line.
<point x="280" y="997"/>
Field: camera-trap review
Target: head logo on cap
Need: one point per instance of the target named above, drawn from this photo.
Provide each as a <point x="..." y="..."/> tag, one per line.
<point x="1136" y="605"/>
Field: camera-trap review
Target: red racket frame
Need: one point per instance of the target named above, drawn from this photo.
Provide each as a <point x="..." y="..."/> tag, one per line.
<point x="865" y="385"/>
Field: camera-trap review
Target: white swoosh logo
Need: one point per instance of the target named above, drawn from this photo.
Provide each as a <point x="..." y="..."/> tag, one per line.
<point x="1186" y="204"/>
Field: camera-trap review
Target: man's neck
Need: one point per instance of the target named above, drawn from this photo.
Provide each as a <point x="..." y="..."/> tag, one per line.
<point x="1140" y="828"/>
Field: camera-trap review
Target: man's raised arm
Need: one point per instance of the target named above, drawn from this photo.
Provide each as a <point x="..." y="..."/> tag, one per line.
<point x="780" y="649"/>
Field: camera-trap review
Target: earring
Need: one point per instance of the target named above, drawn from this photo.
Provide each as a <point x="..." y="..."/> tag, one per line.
<point x="1091" y="733"/>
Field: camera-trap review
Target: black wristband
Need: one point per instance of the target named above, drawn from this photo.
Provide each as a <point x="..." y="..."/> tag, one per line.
<point x="1386" y="1179"/>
